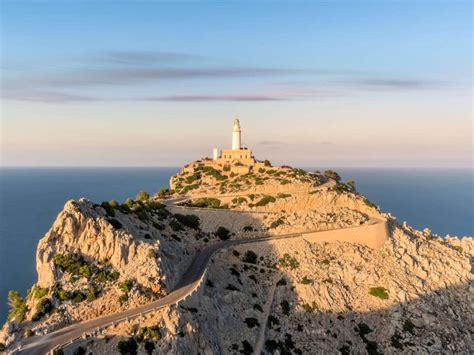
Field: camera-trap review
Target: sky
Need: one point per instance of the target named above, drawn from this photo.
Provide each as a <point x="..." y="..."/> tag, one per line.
<point x="314" y="83"/>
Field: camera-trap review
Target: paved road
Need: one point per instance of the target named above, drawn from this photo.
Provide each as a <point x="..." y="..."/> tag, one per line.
<point x="189" y="282"/>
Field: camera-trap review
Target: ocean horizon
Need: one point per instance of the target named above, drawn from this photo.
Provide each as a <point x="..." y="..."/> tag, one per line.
<point x="31" y="198"/>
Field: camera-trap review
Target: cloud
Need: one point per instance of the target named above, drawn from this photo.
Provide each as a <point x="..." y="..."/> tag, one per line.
<point x="205" y="98"/>
<point x="395" y="84"/>
<point x="145" y="57"/>
<point x="46" y="96"/>
<point x="271" y="143"/>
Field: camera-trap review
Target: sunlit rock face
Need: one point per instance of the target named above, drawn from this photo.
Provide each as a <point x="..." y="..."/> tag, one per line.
<point x="299" y="295"/>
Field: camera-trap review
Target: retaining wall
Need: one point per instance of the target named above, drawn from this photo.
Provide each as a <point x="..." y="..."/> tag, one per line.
<point x="374" y="235"/>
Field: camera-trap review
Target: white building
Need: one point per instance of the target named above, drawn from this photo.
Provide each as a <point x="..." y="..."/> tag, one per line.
<point x="237" y="153"/>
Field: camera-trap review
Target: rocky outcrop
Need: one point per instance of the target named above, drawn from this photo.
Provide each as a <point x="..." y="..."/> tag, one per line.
<point x="85" y="229"/>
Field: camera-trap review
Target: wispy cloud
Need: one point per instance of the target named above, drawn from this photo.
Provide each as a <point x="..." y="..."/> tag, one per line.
<point x="205" y="98"/>
<point x="145" y="57"/>
<point x="271" y="143"/>
<point x="107" y="69"/>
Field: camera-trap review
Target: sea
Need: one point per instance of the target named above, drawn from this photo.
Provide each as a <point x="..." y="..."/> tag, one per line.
<point x="31" y="198"/>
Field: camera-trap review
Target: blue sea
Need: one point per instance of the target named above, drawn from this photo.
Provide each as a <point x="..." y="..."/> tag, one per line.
<point x="31" y="198"/>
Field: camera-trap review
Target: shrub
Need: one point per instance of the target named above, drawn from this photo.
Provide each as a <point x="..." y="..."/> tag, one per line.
<point x="17" y="306"/>
<point x="188" y="220"/>
<point x="164" y="192"/>
<point x="288" y="261"/>
<point x="379" y="292"/>
<point x="149" y="347"/>
<point x="223" y="233"/>
<point x="149" y="333"/>
<point x="73" y="264"/>
<point x="408" y="326"/>
<point x="267" y="163"/>
<point x="285" y="307"/>
<point x="2" y="347"/>
<point x="332" y="175"/>
<point x="123" y="298"/>
<point x="272" y="320"/>
<point x="239" y="200"/>
<point x="175" y="225"/>
<point x="283" y="195"/>
<point x="370" y="204"/>
<point x="248" y="228"/>
<point x="126" y="285"/>
<point x="206" y="202"/>
<point x="277" y="223"/>
<point x="257" y="307"/>
<point x="108" y="208"/>
<point x="43" y="307"/>
<point x="265" y="201"/>
<point x="38" y="292"/>
<point x="306" y="281"/>
<point x="250" y="257"/>
<point x="78" y="297"/>
<point x="152" y="254"/>
<point x="310" y="308"/>
<point x="251" y="322"/>
<point x="58" y="351"/>
<point x="92" y="293"/>
<point x="281" y="282"/>
<point x="127" y="347"/>
<point x="284" y="181"/>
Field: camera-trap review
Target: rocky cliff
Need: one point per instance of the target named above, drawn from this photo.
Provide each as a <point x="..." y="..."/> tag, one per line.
<point x="413" y="295"/>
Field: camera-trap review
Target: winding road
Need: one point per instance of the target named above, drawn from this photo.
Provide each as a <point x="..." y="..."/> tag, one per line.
<point x="189" y="282"/>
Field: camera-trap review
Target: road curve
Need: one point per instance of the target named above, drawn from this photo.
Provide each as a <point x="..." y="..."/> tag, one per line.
<point x="189" y="282"/>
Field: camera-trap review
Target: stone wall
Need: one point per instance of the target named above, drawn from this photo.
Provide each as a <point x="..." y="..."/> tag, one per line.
<point x="374" y="234"/>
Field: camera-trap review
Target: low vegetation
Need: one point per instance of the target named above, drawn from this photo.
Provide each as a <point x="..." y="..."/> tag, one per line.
<point x="223" y="233"/>
<point x="265" y="201"/>
<point x="288" y="261"/>
<point x="17" y="307"/>
<point x="379" y="292"/>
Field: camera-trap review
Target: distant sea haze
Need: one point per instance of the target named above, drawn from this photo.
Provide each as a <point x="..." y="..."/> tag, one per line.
<point x="31" y="198"/>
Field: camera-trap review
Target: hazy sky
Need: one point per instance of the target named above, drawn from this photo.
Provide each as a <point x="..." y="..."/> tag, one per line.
<point x="153" y="83"/>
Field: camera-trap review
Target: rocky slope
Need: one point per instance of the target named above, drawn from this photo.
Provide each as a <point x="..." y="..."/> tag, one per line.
<point x="414" y="295"/>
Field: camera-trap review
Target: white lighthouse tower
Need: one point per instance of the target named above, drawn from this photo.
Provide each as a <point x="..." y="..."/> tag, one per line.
<point x="236" y="133"/>
<point x="237" y="153"/>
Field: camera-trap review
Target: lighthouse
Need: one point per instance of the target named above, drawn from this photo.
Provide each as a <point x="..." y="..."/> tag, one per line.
<point x="236" y="134"/>
<point x="237" y="153"/>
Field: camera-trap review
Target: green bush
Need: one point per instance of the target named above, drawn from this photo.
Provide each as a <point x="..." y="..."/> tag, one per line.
<point x="332" y="175"/>
<point x="370" y="204"/>
<point x="152" y="254"/>
<point x="188" y="220"/>
<point x="92" y="293"/>
<point x="78" y="297"/>
<point x="142" y="196"/>
<point x="176" y="226"/>
<point x="149" y="333"/>
<point x="43" y="307"/>
<point x="223" y="233"/>
<point x="281" y="282"/>
<point x="126" y="285"/>
<point x="310" y="308"/>
<point x="257" y="307"/>
<point x="379" y="292"/>
<point x="127" y="347"/>
<point x="250" y="257"/>
<point x="123" y="298"/>
<point x="272" y="320"/>
<point x="288" y="261"/>
<point x="72" y="263"/>
<point x="80" y="351"/>
<point x="283" y="195"/>
<point x="17" y="306"/>
<point x="164" y="192"/>
<point x="206" y="202"/>
<point x="275" y="224"/>
<point x="267" y="163"/>
<point x="38" y="292"/>
<point x="284" y="181"/>
<point x="58" y="351"/>
<point x="306" y="281"/>
<point x="239" y="200"/>
<point x="251" y="322"/>
<point x="265" y="201"/>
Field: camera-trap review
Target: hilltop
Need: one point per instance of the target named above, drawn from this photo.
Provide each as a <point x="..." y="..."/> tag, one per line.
<point x="340" y="291"/>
